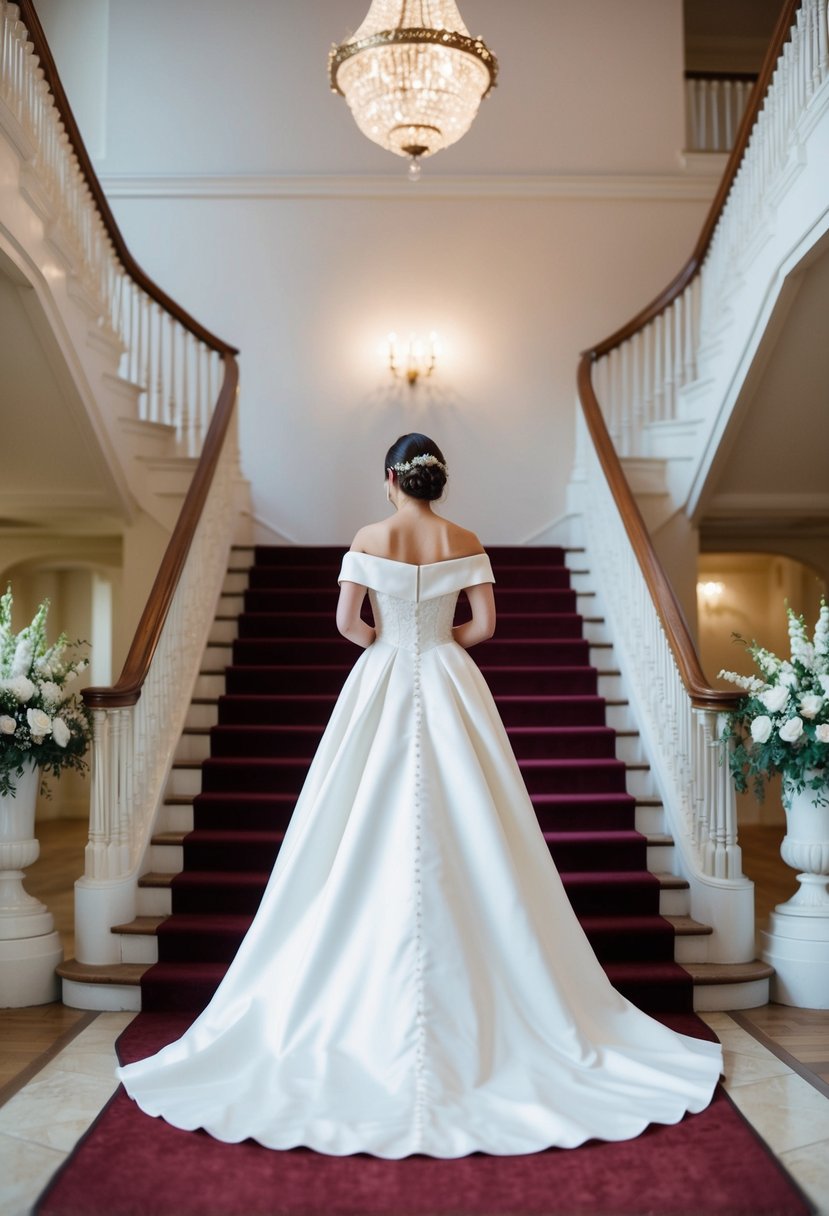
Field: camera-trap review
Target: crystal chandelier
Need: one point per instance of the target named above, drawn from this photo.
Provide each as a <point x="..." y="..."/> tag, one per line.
<point x="412" y="76"/>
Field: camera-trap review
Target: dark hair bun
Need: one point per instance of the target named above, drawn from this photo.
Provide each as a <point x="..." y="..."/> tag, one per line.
<point x="414" y="477"/>
<point x="423" y="481"/>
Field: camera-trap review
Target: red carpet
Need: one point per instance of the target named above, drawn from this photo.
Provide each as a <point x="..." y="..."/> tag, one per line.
<point x="288" y="666"/>
<point x="131" y="1165"/>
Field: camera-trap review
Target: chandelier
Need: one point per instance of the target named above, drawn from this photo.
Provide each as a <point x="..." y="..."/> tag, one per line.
<point x="413" y="76"/>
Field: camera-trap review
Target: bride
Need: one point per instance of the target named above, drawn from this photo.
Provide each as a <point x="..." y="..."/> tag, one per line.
<point x="415" y="980"/>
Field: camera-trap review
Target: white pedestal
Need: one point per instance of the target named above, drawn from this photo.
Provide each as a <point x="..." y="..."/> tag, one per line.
<point x="797" y="946"/>
<point x="30" y="949"/>
<point x="27" y="970"/>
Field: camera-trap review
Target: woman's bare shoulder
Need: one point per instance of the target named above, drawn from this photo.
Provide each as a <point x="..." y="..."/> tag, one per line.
<point x="371" y="537"/>
<point x="462" y="541"/>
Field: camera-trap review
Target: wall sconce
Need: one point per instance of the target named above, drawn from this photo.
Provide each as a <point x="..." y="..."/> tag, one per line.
<point x="710" y="594"/>
<point x="419" y="359"/>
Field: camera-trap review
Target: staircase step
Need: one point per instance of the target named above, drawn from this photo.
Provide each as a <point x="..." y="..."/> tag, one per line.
<point x="302" y="652"/>
<point x="107" y="973"/>
<point x="171" y="988"/>
<point x="201" y="938"/>
<point x="307" y="576"/>
<point x="315" y="709"/>
<point x="321" y="625"/>
<point x="602" y="892"/>
<point x="322" y="678"/>
<point x="324" y="599"/>
<point x="628" y="939"/>
<point x="573" y="776"/>
<point x="575" y="851"/>
<point x="141" y="926"/>
<point x="562" y="742"/>
<point x="585" y="812"/>
<point x="273" y="741"/>
<point x="659" y="987"/>
<point x="299" y="555"/>
<point x="258" y="811"/>
<point x="276" y="709"/>
<point x="728" y="973"/>
<point x="729" y="985"/>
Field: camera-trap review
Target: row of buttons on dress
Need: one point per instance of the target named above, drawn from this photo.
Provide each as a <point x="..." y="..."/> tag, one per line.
<point x="420" y="1047"/>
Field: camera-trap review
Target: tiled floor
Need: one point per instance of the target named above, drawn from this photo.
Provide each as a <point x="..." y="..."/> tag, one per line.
<point x="789" y="1113"/>
<point x="41" y="1123"/>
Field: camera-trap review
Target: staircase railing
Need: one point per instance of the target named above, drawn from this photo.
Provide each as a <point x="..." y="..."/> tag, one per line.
<point x="638" y="371"/>
<point x="188" y="379"/>
<point x="635" y="374"/>
<point x="176" y="363"/>
<point x="714" y="106"/>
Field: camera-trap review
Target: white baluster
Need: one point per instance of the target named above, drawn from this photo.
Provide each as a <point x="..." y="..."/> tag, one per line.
<point x="159" y="365"/>
<point x="97" y="845"/>
<point x="624" y="424"/>
<point x="183" y="418"/>
<point x="171" y="395"/>
<point x="658" y="374"/>
<point x="820" y="20"/>
<point x="636" y="391"/>
<point x="647" y="374"/>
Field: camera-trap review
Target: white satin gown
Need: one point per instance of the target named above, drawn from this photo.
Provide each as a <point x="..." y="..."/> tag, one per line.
<point x="415" y="980"/>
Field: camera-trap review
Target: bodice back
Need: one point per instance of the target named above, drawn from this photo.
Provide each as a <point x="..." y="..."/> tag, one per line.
<point x="411" y="624"/>
<point x="414" y="606"/>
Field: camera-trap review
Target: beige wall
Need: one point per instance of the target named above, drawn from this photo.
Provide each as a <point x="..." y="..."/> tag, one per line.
<point x="243" y="186"/>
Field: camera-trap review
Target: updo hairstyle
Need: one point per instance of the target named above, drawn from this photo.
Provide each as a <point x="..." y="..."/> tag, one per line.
<point x="421" y="480"/>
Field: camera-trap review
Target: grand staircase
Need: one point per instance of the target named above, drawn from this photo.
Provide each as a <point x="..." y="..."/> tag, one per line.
<point x="270" y="678"/>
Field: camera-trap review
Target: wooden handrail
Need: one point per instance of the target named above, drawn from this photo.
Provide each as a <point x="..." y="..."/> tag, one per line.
<point x="746" y="77"/>
<point x="662" y="593"/>
<point x="128" y="688"/>
<point x="31" y="21"/>
<point x="670" y="613"/>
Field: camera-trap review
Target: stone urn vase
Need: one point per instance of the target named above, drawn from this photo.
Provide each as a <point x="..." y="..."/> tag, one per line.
<point x="805" y="847"/>
<point x="30" y="948"/>
<point x="797" y="940"/>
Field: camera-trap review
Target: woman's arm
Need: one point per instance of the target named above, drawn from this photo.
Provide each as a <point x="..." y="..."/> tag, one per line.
<point x="349" y="621"/>
<point x="482" y="626"/>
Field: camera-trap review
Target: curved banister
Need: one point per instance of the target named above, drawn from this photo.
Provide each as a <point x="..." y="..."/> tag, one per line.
<point x="692" y="267"/>
<point x="127" y="690"/>
<point x="29" y="17"/>
<point x="670" y="612"/>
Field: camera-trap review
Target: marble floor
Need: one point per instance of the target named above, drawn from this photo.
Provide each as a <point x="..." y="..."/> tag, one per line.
<point x="43" y="1120"/>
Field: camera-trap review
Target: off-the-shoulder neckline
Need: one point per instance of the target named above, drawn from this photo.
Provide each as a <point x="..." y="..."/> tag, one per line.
<point x="446" y="561"/>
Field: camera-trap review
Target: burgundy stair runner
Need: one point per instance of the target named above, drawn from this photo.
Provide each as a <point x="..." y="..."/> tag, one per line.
<point x="288" y="666"/>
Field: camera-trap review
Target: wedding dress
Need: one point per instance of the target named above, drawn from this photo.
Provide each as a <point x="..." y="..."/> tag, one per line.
<point x="415" y="980"/>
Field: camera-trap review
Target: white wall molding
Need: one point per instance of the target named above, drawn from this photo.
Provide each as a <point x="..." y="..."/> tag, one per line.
<point x="689" y="186"/>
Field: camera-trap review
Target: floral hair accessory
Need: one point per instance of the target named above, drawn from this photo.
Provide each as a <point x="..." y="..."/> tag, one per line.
<point x="404" y="466"/>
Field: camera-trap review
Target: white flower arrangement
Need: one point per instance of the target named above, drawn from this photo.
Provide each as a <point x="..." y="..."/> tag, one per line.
<point x="782" y="723"/>
<point x="41" y="721"/>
